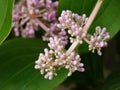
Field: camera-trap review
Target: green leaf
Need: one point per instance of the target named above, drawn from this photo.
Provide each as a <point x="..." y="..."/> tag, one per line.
<point x="77" y="6"/>
<point x="94" y="66"/>
<point x="113" y="82"/>
<point x="17" y="71"/>
<point x="108" y="16"/>
<point x="82" y="49"/>
<point x="6" y="7"/>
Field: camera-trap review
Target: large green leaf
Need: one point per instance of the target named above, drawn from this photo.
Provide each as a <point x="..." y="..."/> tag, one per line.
<point x="6" y="7"/>
<point x="108" y="16"/>
<point x="94" y="69"/>
<point x="113" y="82"/>
<point x="17" y="71"/>
<point x="94" y="65"/>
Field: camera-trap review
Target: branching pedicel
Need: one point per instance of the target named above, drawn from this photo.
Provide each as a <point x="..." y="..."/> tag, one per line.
<point x="76" y="26"/>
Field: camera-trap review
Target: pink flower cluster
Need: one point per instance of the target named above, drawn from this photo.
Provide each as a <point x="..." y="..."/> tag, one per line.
<point x="30" y="15"/>
<point x="56" y="58"/>
<point x="74" y="25"/>
<point x="98" y="39"/>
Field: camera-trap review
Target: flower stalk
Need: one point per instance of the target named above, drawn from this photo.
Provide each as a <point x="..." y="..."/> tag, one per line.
<point x="87" y="25"/>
